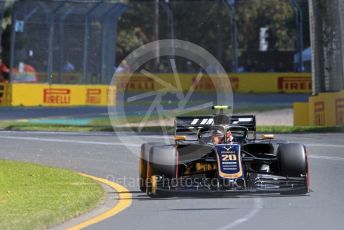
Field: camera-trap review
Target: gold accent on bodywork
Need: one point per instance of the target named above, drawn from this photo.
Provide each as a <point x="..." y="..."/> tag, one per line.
<point x="154" y="183"/>
<point x="180" y="138"/>
<point x="268" y="136"/>
<point x="203" y="167"/>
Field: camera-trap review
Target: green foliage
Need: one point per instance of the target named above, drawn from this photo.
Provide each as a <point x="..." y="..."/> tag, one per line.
<point x="207" y="23"/>
<point x="277" y="15"/>
<point x="135" y="28"/>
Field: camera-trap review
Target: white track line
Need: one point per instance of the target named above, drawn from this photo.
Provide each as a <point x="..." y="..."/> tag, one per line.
<point x="132" y="145"/>
<point x="114" y="135"/>
<point x="258" y="205"/>
<point x="70" y="141"/>
<point x="327" y="158"/>
<point x="59" y="133"/>
<point x="325" y="145"/>
<point x="96" y="134"/>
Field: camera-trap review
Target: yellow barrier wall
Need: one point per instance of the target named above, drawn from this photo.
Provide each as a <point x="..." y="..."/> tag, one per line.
<point x="242" y="83"/>
<point x="60" y="95"/>
<point x="301" y="113"/>
<point x="325" y="109"/>
<point x="72" y="95"/>
<point x="5" y="94"/>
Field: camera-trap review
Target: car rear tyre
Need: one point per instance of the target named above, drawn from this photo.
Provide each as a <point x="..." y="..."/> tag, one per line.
<point x="144" y="158"/>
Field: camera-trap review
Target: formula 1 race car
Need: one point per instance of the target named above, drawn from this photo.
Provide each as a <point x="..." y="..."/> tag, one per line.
<point x="221" y="155"/>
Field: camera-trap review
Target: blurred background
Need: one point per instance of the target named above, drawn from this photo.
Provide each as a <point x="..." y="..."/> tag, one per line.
<point x="58" y="57"/>
<point x="72" y="39"/>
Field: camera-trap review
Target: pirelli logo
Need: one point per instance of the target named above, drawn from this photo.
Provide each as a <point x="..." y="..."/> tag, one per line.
<point x="111" y="96"/>
<point x="137" y="83"/>
<point x="340" y="111"/>
<point x="207" y="84"/>
<point x="57" y="96"/>
<point x="319" y="113"/>
<point x="294" y="83"/>
<point x="93" y="96"/>
<point x="234" y="83"/>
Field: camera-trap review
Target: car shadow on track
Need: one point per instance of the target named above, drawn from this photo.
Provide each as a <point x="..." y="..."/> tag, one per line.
<point x="200" y="209"/>
<point x="140" y="196"/>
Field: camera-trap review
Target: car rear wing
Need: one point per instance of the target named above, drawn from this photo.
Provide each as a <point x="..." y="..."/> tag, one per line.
<point x="247" y="121"/>
<point x="190" y="125"/>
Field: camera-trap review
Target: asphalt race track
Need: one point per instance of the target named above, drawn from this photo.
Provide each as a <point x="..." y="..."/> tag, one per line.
<point x="104" y="155"/>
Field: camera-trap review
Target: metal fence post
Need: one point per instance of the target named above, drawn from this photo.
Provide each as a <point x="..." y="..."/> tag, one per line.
<point x="13" y="43"/>
<point x="1" y="17"/>
<point x="61" y="41"/>
<point x="105" y="46"/>
<point x="109" y="40"/>
<point x="51" y="19"/>
<point x="168" y="10"/>
<point x="86" y="35"/>
<point x="234" y="35"/>
<point x="121" y="10"/>
<point x="13" y="36"/>
<point x="299" y="34"/>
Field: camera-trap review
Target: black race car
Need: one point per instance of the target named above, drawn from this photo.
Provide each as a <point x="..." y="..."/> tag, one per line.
<point x="221" y="155"/>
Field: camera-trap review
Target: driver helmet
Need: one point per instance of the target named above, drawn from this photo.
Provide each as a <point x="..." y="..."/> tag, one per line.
<point x="217" y="136"/>
<point x="229" y="136"/>
<point x="216" y="132"/>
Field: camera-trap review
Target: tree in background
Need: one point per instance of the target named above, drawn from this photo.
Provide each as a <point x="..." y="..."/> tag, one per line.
<point x="6" y="33"/>
<point x="206" y="23"/>
<point x="135" y="28"/>
<point x="277" y="15"/>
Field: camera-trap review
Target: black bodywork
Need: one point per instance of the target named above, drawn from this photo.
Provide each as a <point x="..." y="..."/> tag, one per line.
<point x="194" y="166"/>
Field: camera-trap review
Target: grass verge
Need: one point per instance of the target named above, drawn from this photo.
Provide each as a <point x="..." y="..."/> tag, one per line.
<point x="299" y="129"/>
<point x="104" y="126"/>
<point x="39" y="197"/>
